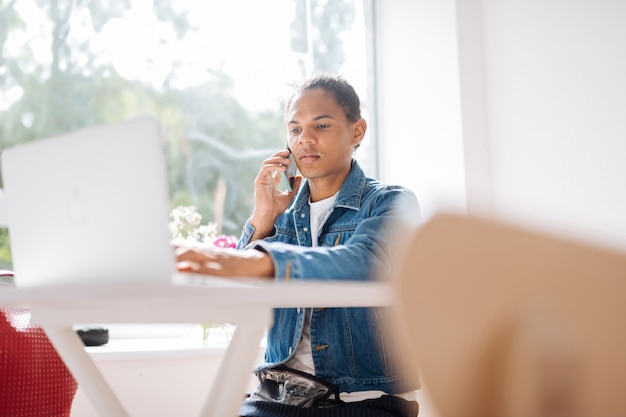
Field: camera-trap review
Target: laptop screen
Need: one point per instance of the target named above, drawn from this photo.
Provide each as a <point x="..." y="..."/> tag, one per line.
<point x="90" y="205"/>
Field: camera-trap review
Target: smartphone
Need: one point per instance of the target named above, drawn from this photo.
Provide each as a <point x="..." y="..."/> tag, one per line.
<point x="292" y="170"/>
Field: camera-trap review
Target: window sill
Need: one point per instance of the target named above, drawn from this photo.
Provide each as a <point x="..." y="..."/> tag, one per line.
<point x="148" y="349"/>
<point x="167" y="348"/>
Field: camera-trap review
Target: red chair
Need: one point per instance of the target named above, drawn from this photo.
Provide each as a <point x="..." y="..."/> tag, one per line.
<point x="34" y="381"/>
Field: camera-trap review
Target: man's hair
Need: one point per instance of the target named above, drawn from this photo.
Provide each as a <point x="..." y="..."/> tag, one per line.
<point x="344" y="93"/>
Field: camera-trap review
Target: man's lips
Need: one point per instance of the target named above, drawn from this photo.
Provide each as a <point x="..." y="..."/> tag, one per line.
<point x="308" y="158"/>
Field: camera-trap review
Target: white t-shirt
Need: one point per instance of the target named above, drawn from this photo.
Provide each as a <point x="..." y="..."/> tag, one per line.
<point x="303" y="358"/>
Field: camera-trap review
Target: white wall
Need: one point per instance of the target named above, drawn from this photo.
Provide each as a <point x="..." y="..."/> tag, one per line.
<point x="557" y="100"/>
<point x="543" y="108"/>
<point x="419" y="120"/>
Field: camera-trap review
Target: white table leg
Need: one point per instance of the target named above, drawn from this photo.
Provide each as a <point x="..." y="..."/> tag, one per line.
<point x="228" y="389"/>
<point x="72" y="350"/>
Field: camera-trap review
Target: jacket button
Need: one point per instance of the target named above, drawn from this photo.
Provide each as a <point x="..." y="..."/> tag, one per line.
<point x="303" y="215"/>
<point x="299" y="309"/>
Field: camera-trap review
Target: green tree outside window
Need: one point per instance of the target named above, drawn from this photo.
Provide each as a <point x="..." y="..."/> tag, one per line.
<point x="59" y="72"/>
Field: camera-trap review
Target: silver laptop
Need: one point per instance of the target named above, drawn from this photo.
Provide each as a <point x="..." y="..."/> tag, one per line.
<point x="89" y="206"/>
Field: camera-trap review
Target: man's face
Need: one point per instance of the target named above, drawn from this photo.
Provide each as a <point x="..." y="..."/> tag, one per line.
<point x="320" y="136"/>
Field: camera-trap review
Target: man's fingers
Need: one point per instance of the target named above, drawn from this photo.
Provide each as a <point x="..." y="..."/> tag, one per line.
<point x="186" y="266"/>
<point x="192" y="255"/>
<point x="204" y="268"/>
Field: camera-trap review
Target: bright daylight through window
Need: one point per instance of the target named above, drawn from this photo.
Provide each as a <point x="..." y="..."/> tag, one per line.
<point x="216" y="73"/>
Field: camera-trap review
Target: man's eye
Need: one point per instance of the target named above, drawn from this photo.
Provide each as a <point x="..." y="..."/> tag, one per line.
<point x="295" y="130"/>
<point x="322" y="126"/>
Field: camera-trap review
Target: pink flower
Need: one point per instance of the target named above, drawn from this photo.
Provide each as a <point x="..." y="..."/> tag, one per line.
<point x="225" y="241"/>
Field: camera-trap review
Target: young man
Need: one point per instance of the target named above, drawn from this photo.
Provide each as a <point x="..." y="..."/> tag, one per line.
<point x="329" y="227"/>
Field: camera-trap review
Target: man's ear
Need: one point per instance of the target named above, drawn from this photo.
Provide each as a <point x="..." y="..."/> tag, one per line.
<point x="358" y="132"/>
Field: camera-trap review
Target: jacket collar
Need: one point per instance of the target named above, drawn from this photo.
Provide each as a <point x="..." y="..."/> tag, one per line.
<point x="350" y="193"/>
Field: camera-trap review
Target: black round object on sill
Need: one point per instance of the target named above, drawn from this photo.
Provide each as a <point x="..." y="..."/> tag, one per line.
<point x="94" y="336"/>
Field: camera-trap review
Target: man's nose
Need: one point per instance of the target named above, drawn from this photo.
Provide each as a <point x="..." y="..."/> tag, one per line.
<point x="307" y="136"/>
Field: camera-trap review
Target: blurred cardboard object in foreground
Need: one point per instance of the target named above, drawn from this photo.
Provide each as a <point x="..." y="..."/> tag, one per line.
<point x="502" y="321"/>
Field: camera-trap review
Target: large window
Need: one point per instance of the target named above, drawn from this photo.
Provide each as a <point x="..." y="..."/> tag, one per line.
<point x="216" y="73"/>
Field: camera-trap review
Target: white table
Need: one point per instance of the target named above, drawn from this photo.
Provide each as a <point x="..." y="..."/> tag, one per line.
<point x="246" y="303"/>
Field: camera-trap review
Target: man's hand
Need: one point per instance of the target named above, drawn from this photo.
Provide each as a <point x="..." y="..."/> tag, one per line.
<point x="269" y="201"/>
<point x="224" y="262"/>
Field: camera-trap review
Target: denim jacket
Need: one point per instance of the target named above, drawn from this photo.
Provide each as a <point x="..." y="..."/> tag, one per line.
<point x="349" y="345"/>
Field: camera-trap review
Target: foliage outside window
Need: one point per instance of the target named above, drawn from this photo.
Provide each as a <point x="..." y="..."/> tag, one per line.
<point x="215" y="73"/>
